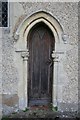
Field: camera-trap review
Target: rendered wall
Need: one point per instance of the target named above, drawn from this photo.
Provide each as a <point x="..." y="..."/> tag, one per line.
<point x="67" y="15"/>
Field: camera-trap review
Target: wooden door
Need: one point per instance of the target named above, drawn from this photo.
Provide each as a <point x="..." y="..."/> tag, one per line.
<point x="40" y="66"/>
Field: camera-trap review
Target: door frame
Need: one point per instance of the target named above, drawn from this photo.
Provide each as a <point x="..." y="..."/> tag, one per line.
<point x="49" y="32"/>
<point x="22" y="54"/>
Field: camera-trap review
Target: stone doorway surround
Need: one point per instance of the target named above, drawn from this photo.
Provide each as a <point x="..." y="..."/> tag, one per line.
<point x="22" y="54"/>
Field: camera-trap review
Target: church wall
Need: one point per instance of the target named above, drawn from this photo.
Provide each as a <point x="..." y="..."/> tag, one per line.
<point x="67" y="15"/>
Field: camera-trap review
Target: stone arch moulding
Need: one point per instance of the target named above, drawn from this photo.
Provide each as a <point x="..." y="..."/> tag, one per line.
<point x="22" y="53"/>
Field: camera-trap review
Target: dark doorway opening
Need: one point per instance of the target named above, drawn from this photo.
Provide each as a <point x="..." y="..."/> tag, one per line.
<point x="40" y="65"/>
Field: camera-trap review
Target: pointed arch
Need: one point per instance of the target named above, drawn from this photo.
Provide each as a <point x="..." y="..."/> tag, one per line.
<point x="37" y="17"/>
<point x="22" y="53"/>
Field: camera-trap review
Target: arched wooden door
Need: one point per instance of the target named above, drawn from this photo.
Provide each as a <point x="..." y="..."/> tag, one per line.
<point x="40" y="65"/>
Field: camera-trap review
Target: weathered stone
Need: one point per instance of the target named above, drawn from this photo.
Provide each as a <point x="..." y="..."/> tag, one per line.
<point x="66" y="13"/>
<point x="10" y="100"/>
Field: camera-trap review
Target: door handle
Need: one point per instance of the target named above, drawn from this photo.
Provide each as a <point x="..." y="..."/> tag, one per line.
<point x="49" y="62"/>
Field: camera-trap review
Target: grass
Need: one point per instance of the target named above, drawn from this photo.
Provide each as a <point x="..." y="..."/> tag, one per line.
<point x="26" y="109"/>
<point x="55" y="109"/>
<point x="5" y="118"/>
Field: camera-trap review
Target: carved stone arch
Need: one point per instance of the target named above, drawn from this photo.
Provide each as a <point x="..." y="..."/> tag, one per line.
<point x="47" y="18"/>
<point x="22" y="53"/>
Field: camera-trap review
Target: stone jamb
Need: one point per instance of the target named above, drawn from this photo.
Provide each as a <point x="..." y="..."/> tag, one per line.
<point x="21" y="48"/>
